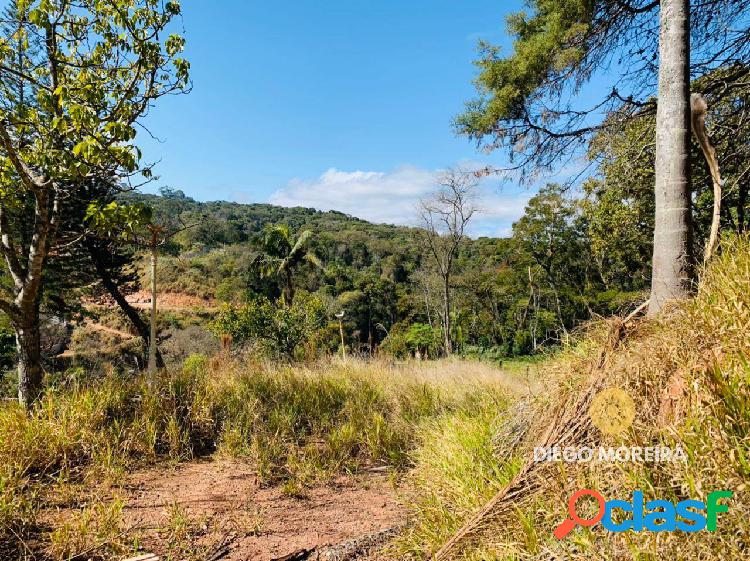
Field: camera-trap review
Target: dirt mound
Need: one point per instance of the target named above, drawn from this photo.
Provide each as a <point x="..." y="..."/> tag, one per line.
<point x="220" y="502"/>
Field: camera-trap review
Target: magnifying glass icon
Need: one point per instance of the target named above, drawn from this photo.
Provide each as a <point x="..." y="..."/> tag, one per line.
<point x="567" y="525"/>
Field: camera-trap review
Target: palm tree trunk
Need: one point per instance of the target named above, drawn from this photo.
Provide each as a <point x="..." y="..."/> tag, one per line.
<point x="672" y="266"/>
<point x="288" y="291"/>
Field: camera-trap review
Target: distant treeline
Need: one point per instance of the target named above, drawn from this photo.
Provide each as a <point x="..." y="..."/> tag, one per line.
<point x="511" y="295"/>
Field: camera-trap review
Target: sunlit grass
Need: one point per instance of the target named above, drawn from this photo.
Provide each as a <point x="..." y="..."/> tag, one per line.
<point x="296" y="425"/>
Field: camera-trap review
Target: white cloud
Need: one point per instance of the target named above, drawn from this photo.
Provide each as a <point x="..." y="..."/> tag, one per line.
<point x="375" y="196"/>
<point x="392" y="197"/>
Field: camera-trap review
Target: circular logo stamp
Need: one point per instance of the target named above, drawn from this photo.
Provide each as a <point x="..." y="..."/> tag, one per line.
<point x="612" y="411"/>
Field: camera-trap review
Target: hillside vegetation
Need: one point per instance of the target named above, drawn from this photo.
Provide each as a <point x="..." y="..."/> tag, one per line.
<point x="511" y="295"/>
<point x="689" y="376"/>
<point x="448" y="427"/>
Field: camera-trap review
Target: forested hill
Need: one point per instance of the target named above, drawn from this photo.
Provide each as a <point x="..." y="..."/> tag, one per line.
<point x="511" y="295"/>
<point x="222" y="222"/>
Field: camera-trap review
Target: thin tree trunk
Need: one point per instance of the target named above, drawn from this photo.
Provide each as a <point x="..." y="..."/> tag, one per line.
<point x="447" y="315"/>
<point x="29" y="360"/>
<point x="152" y="332"/>
<point x="672" y="266"/>
<point x="427" y="306"/>
<point x="288" y="292"/>
<point x="742" y="199"/>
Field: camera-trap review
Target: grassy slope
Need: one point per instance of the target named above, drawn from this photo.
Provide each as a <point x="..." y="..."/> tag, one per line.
<point x="689" y="375"/>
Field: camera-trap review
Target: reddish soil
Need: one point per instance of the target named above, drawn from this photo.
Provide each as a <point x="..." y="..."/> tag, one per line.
<point x="173" y="301"/>
<point x="223" y="503"/>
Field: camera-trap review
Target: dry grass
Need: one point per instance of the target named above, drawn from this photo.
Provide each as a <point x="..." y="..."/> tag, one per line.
<point x="688" y="373"/>
<point x="296" y="425"/>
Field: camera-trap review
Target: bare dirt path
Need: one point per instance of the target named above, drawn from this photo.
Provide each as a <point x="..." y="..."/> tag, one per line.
<point x="221" y="501"/>
<point x="110" y="330"/>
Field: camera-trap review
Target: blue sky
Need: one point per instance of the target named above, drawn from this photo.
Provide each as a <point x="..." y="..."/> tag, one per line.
<point x="343" y="104"/>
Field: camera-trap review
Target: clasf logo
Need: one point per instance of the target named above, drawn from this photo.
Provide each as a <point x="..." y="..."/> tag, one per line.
<point x="654" y="516"/>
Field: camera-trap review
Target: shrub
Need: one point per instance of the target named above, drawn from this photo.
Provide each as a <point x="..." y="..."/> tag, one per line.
<point x="403" y="341"/>
<point x="490" y="354"/>
<point x="281" y="328"/>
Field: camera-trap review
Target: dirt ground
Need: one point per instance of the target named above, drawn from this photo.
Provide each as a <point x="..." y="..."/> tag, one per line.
<point x="215" y="503"/>
<point x="171" y="301"/>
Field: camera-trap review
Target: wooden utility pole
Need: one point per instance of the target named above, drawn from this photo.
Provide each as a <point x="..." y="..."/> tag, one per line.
<point x="155" y="231"/>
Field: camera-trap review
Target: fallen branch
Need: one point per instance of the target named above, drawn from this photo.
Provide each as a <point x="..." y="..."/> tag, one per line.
<point x="635" y="312"/>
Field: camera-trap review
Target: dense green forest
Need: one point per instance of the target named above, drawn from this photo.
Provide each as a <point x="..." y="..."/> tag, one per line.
<point x="511" y="295"/>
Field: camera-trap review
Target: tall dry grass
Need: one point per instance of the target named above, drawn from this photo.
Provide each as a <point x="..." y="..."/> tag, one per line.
<point x="689" y="374"/>
<point x="297" y="425"/>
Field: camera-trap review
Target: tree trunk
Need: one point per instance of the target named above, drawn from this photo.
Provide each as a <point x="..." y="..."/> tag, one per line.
<point x="427" y="306"/>
<point x="447" y="315"/>
<point x="132" y="314"/>
<point x="288" y="291"/>
<point x="742" y="199"/>
<point x="672" y="267"/>
<point x="29" y="360"/>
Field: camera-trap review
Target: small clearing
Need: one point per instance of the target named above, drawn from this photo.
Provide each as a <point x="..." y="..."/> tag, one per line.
<point x="221" y="502"/>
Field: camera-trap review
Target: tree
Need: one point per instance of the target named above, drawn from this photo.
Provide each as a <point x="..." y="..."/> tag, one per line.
<point x="672" y="263"/>
<point x="283" y="254"/>
<point x="620" y="200"/>
<point x="421" y="339"/>
<point x="111" y="260"/>
<point x="527" y="99"/>
<point x="552" y="242"/>
<point x="444" y="217"/>
<point x="371" y="303"/>
<point x="135" y="225"/>
<point x="281" y="328"/>
<point x="98" y="67"/>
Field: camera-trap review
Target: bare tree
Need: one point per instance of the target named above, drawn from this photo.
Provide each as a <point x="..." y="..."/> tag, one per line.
<point x="444" y="216"/>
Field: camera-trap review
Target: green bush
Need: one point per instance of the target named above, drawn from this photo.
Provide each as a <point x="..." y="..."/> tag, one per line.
<point x="404" y="341"/>
<point x="281" y="328"/>
<point x="490" y="354"/>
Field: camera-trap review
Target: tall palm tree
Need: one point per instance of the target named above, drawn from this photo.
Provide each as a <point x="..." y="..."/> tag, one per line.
<point x="283" y="254"/>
